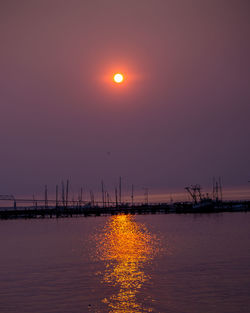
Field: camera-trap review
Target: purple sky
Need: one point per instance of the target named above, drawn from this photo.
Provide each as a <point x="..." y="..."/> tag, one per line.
<point x="181" y="118"/>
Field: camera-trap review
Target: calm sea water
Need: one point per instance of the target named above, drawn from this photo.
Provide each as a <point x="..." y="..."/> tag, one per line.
<point x="150" y="263"/>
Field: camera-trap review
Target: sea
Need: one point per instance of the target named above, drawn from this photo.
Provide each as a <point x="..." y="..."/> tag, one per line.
<point x="168" y="263"/>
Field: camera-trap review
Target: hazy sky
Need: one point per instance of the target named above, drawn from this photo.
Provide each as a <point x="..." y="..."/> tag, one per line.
<point x="181" y="117"/>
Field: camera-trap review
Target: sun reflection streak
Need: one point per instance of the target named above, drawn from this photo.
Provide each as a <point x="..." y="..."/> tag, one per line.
<point x="125" y="246"/>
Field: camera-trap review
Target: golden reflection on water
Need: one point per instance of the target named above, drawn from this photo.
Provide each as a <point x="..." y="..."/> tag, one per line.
<point x="125" y="246"/>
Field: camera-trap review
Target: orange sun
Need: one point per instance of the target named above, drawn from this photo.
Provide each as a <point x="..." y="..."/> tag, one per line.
<point x="118" y="78"/>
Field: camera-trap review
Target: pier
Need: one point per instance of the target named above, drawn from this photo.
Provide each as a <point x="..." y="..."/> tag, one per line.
<point x="74" y="208"/>
<point x="12" y="207"/>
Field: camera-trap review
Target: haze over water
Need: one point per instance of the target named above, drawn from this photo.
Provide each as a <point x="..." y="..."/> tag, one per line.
<point x="123" y="263"/>
<point x="180" y="118"/>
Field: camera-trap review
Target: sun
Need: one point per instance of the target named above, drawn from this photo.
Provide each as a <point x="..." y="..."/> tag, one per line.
<point x="118" y="78"/>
